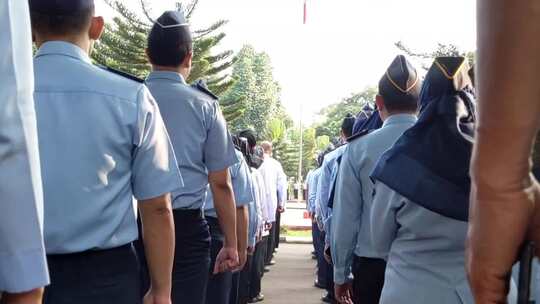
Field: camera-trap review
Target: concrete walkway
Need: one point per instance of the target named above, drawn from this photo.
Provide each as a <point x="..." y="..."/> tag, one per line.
<point x="290" y="281"/>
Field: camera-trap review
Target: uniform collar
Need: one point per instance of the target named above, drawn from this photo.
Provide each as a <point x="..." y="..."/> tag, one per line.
<point x="400" y="119"/>
<point x="176" y="77"/>
<point x="64" y="49"/>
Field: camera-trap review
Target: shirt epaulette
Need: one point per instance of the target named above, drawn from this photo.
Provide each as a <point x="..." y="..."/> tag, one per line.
<point x="358" y="135"/>
<point x="123" y="74"/>
<point x="201" y="86"/>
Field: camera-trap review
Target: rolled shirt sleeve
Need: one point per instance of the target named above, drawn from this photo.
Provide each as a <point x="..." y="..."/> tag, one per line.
<point x="155" y="169"/>
<point x="23" y="266"/>
<point x="242" y="184"/>
<point x="219" y="151"/>
<point x="347" y="214"/>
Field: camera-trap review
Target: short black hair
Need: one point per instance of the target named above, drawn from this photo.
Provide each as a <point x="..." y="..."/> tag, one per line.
<point x="396" y="101"/>
<point x="250" y="136"/>
<point x="347" y="125"/>
<point x="168" y="47"/>
<point x="61" y="24"/>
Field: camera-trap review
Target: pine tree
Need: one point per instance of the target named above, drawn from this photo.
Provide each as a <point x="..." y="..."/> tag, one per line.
<point x="256" y="88"/>
<point x="335" y="113"/>
<point x="441" y="51"/>
<point x="122" y="46"/>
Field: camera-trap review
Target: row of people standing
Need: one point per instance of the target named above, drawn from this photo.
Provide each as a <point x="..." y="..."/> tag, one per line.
<point x="105" y="138"/>
<point x="400" y="197"/>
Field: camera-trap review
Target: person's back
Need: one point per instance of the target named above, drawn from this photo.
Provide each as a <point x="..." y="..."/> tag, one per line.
<point x="204" y="150"/>
<point x="89" y="119"/>
<point x="351" y="238"/>
<point x="424" y="264"/>
<point x="102" y="142"/>
<point x="190" y="115"/>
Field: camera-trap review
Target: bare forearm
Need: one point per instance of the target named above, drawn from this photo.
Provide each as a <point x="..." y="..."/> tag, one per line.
<point x="242" y="223"/>
<point x="159" y="242"/>
<point x="31" y="297"/>
<point x="503" y="194"/>
<point x="226" y="211"/>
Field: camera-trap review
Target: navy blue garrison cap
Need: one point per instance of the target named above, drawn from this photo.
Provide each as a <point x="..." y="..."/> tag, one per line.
<point x="59" y="7"/>
<point x="170" y="29"/>
<point x="401" y="81"/>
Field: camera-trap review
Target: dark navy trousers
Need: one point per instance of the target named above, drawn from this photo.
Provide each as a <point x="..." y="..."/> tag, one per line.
<point x="191" y="258"/>
<point x="107" y="276"/>
<point x="368" y="279"/>
<point x="219" y="285"/>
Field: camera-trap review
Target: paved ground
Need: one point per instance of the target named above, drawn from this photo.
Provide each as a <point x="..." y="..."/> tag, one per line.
<point x="290" y="281"/>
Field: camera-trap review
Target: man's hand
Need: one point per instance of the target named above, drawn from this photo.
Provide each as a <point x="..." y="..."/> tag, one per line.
<point x="227" y="260"/>
<point x="250" y="250"/>
<point x="281" y="209"/>
<point x="327" y="255"/>
<point x="268" y="226"/>
<point x="155" y="298"/>
<point x="344" y="293"/>
<point x="31" y="297"/>
<point x="242" y="259"/>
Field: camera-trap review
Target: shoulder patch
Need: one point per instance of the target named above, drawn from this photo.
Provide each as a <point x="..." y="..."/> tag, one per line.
<point x="358" y="135"/>
<point x="123" y="74"/>
<point x="201" y="86"/>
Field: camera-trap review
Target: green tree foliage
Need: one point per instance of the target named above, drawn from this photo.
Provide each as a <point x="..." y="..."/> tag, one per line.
<point x="335" y="113"/>
<point x="441" y="51"/>
<point x="122" y="46"/>
<point x="256" y="88"/>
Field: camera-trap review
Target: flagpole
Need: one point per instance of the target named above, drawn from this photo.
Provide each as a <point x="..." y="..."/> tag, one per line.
<point x="301" y="156"/>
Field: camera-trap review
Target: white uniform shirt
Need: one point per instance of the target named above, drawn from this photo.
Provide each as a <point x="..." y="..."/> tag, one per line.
<point x="276" y="185"/>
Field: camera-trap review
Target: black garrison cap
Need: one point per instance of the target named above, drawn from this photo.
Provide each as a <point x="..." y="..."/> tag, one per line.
<point x="170" y="29"/>
<point x="401" y="81"/>
<point x="60" y="7"/>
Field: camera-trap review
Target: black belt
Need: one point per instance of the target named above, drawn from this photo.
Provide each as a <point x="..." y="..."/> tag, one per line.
<point x="188" y="213"/>
<point x="117" y="251"/>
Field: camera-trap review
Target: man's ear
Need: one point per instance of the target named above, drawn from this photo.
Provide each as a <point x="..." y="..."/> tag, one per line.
<point x="147" y="54"/>
<point x="97" y="26"/>
<point x="379" y="101"/>
<point x="188" y="60"/>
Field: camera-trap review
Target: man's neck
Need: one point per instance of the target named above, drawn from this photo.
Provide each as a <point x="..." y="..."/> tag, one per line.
<point x="391" y="114"/>
<point x="82" y="43"/>
<point x="180" y="70"/>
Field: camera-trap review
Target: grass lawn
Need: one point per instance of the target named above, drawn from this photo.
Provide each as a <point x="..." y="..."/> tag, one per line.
<point x="298" y="233"/>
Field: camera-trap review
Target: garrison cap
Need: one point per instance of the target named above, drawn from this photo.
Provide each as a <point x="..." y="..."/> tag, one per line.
<point x="400" y="81"/>
<point x="59" y="7"/>
<point x="170" y="30"/>
<point x="446" y="76"/>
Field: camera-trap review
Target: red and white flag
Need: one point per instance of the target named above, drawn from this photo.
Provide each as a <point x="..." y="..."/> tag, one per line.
<point x="305" y="11"/>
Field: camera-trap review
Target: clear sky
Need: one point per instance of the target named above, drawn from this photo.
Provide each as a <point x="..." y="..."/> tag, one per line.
<point x="345" y="46"/>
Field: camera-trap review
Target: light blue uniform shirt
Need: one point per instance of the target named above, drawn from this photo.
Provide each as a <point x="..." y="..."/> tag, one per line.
<point x="313" y="185"/>
<point x="331" y="168"/>
<point x="242" y="186"/>
<point x="198" y="132"/>
<point x="22" y="253"/>
<point x="351" y="228"/>
<point x="102" y="142"/>
<point x="325" y="184"/>
<point x="254" y="212"/>
<point x="425" y="251"/>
